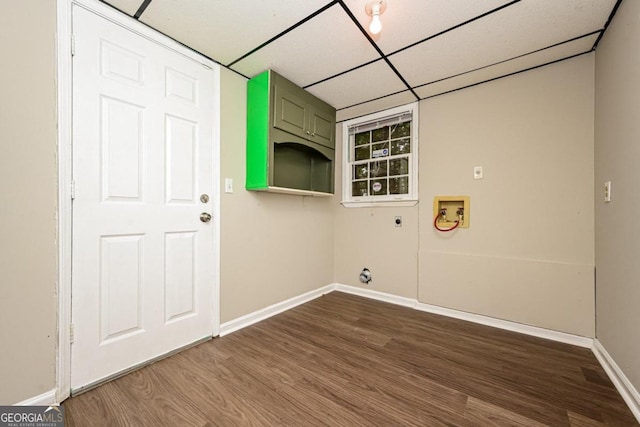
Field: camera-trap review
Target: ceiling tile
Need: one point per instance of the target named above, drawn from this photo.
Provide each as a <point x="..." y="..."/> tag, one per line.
<point x="364" y="84"/>
<point x="226" y="29"/>
<point x="326" y="45"/>
<point x="329" y="42"/>
<point x="408" y="21"/>
<point x="379" y="104"/>
<point x="516" y="30"/>
<point x="127" y="6"/>
<point x="509" y="67"/>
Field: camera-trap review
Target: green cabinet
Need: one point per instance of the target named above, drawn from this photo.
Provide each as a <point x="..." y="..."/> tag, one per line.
<point x="290" y="138"/>
<point x="301" y="114"/>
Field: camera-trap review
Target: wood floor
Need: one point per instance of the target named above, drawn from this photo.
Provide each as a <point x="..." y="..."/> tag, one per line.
<point x="343" y="360"/>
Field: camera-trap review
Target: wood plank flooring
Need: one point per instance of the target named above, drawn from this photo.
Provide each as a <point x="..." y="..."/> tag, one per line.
<point x="343" y="360"/>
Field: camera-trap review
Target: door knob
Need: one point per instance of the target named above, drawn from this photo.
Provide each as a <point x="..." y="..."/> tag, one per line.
<point x="205" y="217"/>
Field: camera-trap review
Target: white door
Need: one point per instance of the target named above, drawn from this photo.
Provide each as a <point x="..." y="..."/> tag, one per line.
<point x="143" y="146"/>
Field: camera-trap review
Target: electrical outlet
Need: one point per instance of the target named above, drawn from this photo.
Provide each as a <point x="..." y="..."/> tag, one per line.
<point x="607" y="191"/>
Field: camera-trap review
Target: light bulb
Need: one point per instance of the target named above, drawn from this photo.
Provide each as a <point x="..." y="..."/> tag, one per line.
<point x="375" y="25"/>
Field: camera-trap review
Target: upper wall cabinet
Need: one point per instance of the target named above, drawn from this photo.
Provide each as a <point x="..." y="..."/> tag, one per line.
<point x="290" y="138"/>
<point x="300" y="113"/>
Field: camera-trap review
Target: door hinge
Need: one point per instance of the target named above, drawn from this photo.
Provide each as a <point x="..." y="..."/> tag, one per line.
<point x="71" y="333"/>
<point x="73" y="45"/>
<point x="73" y="190"/>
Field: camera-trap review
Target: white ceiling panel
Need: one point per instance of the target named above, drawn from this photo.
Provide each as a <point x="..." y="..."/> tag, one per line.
<point x="128" y="6"/>
<point x="522" y="28"/>
<point x="509" y="67"/>
<point x="364" y="84"/>
<point x="226" y="29"/>
<point x="409" y="21"/>
<point x="326" y="45"/>
<point x="311" y="41"/>
<point x="379" y="104"/>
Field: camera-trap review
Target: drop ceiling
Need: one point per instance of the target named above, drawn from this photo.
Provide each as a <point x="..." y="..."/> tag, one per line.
<point x="426" y="47"/>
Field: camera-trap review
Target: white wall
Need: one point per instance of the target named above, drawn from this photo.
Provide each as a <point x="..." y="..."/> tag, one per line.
<point x="368" y="237"/>
<point x="274" y="246"/>
<point x="28" y="193"/>
<point x="528" y="255"/>
<point x="617" y="150"/>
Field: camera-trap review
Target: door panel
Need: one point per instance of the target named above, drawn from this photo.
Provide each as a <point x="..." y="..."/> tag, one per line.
<point x="121" y="279"/>
<point x="180" y="263"/>
<point x="322" y="127"/>
<point x="290" y="111"/>
<point x="181" y="156"/>
<point x="143" y="147"/>
<point x="121" y="141"/>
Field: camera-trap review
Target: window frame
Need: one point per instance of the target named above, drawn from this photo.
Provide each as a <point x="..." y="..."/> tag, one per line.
<point x="410" y="199"/>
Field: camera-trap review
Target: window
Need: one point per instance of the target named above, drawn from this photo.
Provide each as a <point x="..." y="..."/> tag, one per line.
<point x="380" y="164"/>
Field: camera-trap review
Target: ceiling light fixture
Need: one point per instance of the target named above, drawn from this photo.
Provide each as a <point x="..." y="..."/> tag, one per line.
<point x="374" y="9"/>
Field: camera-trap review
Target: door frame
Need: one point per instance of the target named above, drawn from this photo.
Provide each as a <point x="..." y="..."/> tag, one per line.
<point x="65" y="167"/>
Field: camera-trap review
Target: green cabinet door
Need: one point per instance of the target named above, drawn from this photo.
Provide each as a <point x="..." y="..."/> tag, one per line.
<point x="302" y="114"/>
<point x="290" y="111"/>
<point x="322" y="125"/>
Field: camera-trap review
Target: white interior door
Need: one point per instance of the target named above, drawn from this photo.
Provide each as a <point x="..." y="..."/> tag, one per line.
<point x="143" y="145"/>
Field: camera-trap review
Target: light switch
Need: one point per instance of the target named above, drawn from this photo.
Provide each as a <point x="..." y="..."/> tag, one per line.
<point x="478" y="173"/>
<point x="228" y="185"/>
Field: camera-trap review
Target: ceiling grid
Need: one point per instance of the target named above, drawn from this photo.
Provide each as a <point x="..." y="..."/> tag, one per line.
<point x="426" y="47"/>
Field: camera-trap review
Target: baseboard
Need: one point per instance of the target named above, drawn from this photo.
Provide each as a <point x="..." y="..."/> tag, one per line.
<point x="470" y="317"/>
<point x="508" y="325"/>
<point x="628" y="392"/>
<point x="45" y="399"/>
<point x="376" y="295"/>
<point x="272" y="310"/>
<point x="256" y="316"/>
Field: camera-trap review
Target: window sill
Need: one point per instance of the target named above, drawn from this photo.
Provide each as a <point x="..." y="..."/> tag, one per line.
<point x="379" y="204"/>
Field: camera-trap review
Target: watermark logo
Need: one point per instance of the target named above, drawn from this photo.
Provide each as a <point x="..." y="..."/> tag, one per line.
<point x="31" y="416"/>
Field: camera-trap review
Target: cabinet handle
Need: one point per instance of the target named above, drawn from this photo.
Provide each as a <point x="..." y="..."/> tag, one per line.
<point x="313" y="134"/>
<point x="308" y="132"/>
